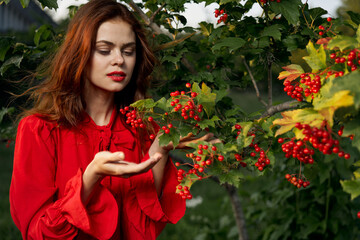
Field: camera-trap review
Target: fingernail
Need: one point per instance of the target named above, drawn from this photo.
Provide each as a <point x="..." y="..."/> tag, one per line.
<point x="121" y="154"/>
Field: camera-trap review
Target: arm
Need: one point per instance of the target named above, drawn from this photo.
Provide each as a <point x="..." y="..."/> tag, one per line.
<point x="35" y="207"/>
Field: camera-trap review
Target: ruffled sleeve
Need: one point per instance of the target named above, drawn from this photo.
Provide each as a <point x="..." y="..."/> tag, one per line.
<point x="35" y="207"/>
<point x="170" y="208"/>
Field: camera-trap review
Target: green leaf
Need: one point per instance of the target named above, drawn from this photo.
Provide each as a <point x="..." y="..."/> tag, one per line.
<point x="41" y="31"/>
<point x="353" y="128"/>
<point x="232" y="43"/>
<point x="317" y="12"/>
<point x="352" y="187"/>
<point x="24" y="3"/>
<point x="289" y="9"/>
<point x="317" y="57"/>
<point x="358" y="35"/>
<point x="227" y="1"/>
<point x="232" y="177"/>
<point x="5" y="44"/>
<point x="343" y="42"/>
<point x="355" y="17"/>
<point x="51" y="4"/>
<point x="349" y="82"/>
<point x="6" y="111"/>
<point x="208" y="122"/>
<point x="16" y="60"/>
<point x="5" y="1"/>
<point x="173" y="136"/>
<point x="273" y="31"/>
<point x="144" y="103"/>
<point x="206" y="98"/>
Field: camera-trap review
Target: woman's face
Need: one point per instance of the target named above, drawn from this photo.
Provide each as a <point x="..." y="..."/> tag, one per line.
<point x="113" y="58"/>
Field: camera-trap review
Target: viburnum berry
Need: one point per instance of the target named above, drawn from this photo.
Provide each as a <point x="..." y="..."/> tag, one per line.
<point x="358" y="214"/>
<point x="221" y="158"/>
<point x="329" y="19"/>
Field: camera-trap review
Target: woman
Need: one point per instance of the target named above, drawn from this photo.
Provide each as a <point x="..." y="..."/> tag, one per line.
<point x="79" y="171"/>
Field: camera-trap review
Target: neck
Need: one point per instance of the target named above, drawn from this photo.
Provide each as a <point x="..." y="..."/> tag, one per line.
<point x="99" y="106"/>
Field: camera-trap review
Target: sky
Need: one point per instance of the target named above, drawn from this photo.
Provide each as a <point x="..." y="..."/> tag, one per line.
<point x="196" y="13"/>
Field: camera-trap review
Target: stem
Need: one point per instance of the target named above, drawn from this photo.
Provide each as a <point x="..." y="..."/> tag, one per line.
<point x="302" y="10"/>
<point x="157" y="11"/>
<point x="238" y="212"/>
<point x="254" y="83"/>
<point x="327" y="205"/>
<point x="269" y="84"/>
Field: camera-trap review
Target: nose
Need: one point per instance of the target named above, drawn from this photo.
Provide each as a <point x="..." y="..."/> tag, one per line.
<point x="118" y="58"/>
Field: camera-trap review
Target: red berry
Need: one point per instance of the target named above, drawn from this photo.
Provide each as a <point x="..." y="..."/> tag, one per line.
<point x="358" y="214"/>
<point x="280" y="140"/>
<point x="329" y="19"/>
<point x="214" y="148"/>
<point x="188" y="85"/>
<point x="167" y="131"/>
<point x="152" y="136"/>
<point x="221" y="158"/>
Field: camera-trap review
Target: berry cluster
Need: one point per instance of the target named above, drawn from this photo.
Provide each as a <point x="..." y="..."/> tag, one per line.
<point x="203" y="157"/>
<point x="132" y="118"/>
<point x="262" y="159"/>
<point x="323" y="28"/>
<point x="309" y="85"/>
<point x="221" y="13"/>
<point x="186" y="104"/>
<point x="351" y="58"/>
<point x="297" y="182"/>
<point x="320" y="139"/>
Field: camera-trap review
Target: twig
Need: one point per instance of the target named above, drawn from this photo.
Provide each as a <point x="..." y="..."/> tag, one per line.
<point x="254" y="83"/>
<point x="157" y="11"/>
<point x="269" y="84"/>
<point x="158" y="30"/>
<point x="279" y="108"/>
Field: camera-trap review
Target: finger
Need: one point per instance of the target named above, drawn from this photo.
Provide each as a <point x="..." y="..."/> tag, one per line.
<point x="187" y="137"/>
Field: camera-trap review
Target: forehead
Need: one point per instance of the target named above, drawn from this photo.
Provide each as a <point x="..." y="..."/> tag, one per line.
<point x="116" y="31"/>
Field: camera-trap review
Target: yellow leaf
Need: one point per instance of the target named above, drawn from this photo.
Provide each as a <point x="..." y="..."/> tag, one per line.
<point x="340" y="99"/>
<point x="304" y="116"/>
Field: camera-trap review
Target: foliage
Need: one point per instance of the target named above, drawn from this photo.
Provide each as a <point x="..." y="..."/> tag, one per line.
<point x="242" y="52"/>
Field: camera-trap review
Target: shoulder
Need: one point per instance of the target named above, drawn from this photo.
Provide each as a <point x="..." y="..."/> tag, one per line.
<point x="36" y="124"/>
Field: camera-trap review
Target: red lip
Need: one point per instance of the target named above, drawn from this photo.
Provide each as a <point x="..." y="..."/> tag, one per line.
<point x="117" y="76"/>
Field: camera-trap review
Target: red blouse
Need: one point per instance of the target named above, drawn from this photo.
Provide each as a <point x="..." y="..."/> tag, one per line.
<point x="45" y="191"/>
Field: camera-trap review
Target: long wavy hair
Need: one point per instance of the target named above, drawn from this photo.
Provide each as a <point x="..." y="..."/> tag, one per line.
<point x="59" y="97"/>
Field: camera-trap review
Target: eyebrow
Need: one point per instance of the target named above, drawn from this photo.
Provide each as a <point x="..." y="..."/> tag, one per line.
<point x="125" y="45"/>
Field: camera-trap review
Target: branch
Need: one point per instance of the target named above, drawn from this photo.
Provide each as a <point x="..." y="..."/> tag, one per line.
<point x="149" y="22"/>
<point x="254" y="83"/>
<point x="238" y="212"/>
<point x="156" y="12"/>
<point x="269" y="84"/>
<point x="281" y="107"/>
<point x="146" y="19"/>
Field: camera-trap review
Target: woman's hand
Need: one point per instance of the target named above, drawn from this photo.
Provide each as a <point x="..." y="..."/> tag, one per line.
<point x="158" y="170"/>
<point x="113" y="164"/>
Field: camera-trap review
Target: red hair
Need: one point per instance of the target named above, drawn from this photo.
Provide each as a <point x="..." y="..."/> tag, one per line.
<point x="60" y="96"/>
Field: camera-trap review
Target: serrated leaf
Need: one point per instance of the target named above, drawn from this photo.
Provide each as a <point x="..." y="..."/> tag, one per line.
<point x="5" y="44"/>
<point x="208" y="122"/>
<point x="161" y="103"/>
<point x="349" y="82"/>
<point x="343" y="42"/>
<point x="207" y="99"/>
<point x="206" y="28"/>
<point x="14" y="60"/>
<point x="353" y="128"/>
<point x="289" y="9"/>
<point x="273" y="31"/>
<point x="355" y="17"/>
<point x="144" y="103"/>
<point x="226" y="1"/>
<point x="24" y="3"/>
<point x="317" y="57"/>
<point x="232" y="177"/>
<point x="291" y="72"/>
<point x="51" y="4"/>
<point x="305" y="116"/>
<point x="352" y="187"/>
<point x="317" y="12"/>
<point x="232" y="43"/>
<point x="173" y="137"/>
